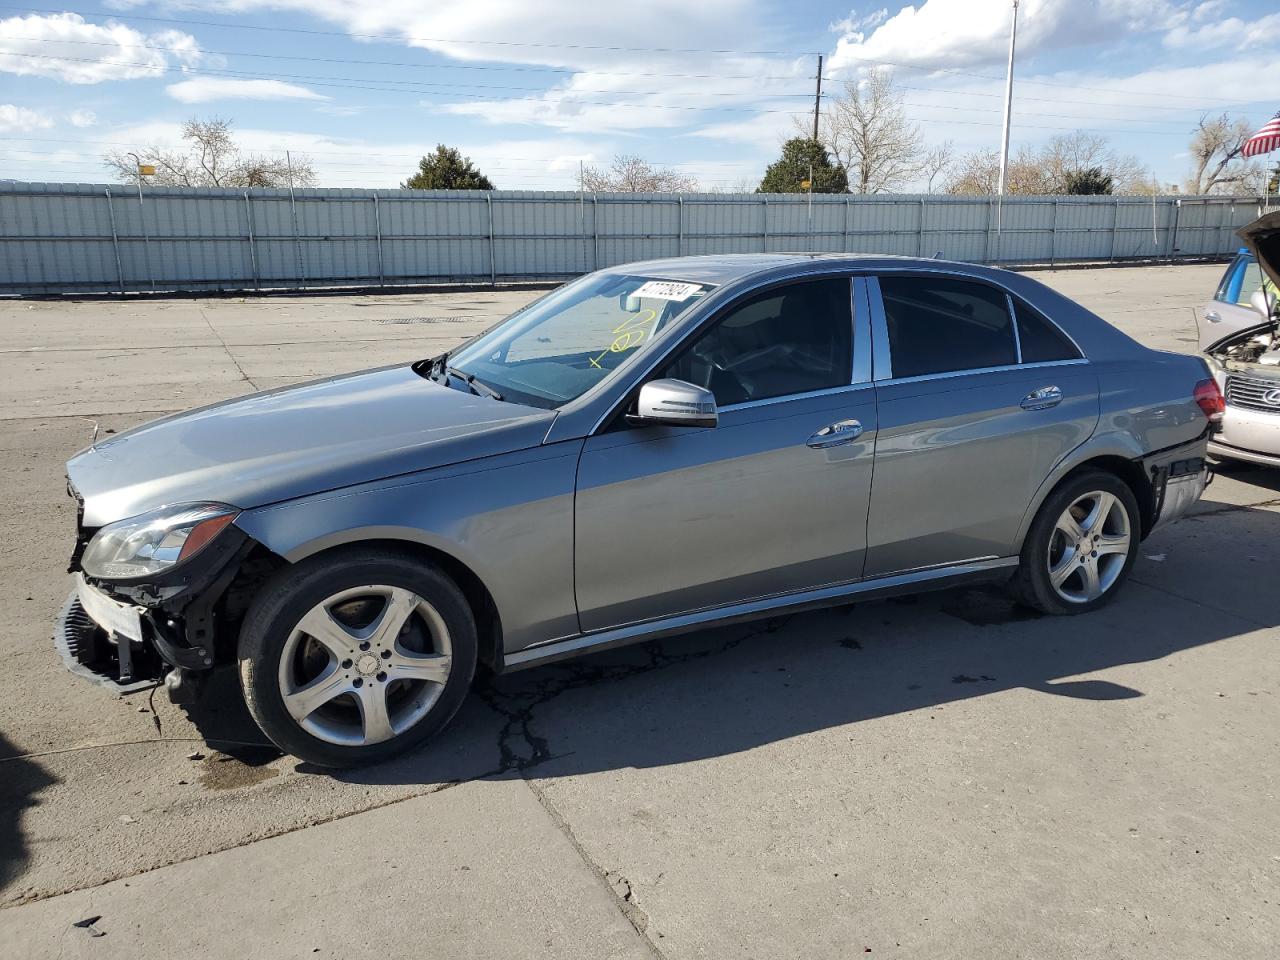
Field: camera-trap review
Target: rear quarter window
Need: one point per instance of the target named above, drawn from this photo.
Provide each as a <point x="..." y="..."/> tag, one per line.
<point x="1041" y="340"/>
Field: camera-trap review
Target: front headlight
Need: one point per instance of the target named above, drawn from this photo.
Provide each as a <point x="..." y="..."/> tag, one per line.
<point x="154" y="542"/>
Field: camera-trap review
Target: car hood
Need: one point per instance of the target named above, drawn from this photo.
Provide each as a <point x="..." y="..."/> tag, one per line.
<point x="1262" y="237"/>
<point x="297" y="440"/>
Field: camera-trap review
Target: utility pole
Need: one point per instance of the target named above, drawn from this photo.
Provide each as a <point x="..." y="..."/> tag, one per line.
<point x="1004" y="134"/>
<point x="817" y="99"/>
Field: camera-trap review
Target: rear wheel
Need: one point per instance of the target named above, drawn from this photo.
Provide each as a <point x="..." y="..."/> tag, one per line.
<point x="1081" y="545"/>
<point x="354" y="657"/>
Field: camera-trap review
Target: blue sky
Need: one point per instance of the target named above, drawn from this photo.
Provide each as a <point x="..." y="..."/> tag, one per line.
<point x="529" y="90"/>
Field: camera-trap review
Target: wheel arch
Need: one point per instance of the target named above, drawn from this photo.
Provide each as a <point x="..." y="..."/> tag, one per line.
<point x="1121" y="460"/>
<point x="478" y="596"/>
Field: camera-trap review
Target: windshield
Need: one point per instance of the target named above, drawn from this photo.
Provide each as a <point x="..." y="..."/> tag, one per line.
<point x="561" y="346"/>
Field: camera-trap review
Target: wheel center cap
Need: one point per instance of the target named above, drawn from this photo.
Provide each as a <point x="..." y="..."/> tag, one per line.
<point x="367" y="665"/>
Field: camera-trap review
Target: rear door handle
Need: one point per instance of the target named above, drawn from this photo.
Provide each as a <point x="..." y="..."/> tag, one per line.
<point x="1212" y="317"/>
<point x="1042" y="399"/>
<point x="834" y="434"/>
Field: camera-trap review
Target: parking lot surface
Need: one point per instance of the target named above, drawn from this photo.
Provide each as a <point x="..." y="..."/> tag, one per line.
<point x="943" y="776"/>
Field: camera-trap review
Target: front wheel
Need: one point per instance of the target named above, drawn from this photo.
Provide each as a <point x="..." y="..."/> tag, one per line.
<point x="1081" y="545"/>
<point x="354" y="657"/>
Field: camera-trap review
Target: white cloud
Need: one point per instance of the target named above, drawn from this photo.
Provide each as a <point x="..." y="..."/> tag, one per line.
<point x="65" y="47"/>
<point x="82" y="118"/>
<point x="959" y="33"/>
<point x="1231" y="32"/>
<point x="206" y="89"/>
<point x="14" y="119"/>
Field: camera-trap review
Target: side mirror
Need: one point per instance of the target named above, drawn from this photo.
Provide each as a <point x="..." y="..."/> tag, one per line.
<point x="675" y="403"/>
<point x="1263" y="302"/>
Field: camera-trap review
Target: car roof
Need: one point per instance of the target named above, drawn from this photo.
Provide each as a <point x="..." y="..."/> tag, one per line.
<point x="728" y="267"/>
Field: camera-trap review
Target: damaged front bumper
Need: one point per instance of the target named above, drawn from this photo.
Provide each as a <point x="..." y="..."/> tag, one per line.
<point x="130" y="637"/>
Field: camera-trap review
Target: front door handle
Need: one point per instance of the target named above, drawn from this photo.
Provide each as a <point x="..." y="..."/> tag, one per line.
<point x="834" y="434"/>
<point x="1042" y="399"/>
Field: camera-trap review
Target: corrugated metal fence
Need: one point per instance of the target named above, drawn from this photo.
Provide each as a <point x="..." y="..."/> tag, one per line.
<point x="82" y="238"/>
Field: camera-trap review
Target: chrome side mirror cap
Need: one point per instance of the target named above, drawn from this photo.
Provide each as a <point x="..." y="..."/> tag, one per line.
<point x="676" y="404"/>
<point x="1263" y="302"/>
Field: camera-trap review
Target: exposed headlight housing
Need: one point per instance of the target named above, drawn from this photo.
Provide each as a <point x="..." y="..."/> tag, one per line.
<point x="152" y="543"/>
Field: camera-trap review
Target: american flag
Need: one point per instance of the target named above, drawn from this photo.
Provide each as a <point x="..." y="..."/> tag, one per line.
<point x="1265" y="140"/>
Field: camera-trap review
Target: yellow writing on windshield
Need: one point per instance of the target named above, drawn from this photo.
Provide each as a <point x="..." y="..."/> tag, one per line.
<point x="630" y="333"/>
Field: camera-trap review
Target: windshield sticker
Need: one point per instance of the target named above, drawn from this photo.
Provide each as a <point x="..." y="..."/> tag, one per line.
<point x="667" y="290"/>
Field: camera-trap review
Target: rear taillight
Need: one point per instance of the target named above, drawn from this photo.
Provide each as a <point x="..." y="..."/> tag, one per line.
<point x="1209" y="398"/>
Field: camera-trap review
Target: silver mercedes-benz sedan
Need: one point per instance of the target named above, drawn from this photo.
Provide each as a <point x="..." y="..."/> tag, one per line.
<point x="649" y="449"/>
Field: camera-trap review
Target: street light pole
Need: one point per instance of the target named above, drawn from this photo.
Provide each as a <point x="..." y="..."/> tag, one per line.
<point x="1008" y="101"/>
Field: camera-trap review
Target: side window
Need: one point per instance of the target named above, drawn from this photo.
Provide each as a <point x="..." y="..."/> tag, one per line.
<point x="791" y="339"/>
<point x="940" y="325"/>
<point x="1251" y="283"/>
<point x="1041" y="340"/>
<point x="1224" y="286"/>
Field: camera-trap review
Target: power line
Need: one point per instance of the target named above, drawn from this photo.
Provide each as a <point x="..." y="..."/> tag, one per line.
<point x="407" y="39"/>
<point x="317" y="79"/>
<point x="548" y="96"/>
<point x="597" y="47"/>
<point x="416" y="65"/>
<point x="651" y="74"/>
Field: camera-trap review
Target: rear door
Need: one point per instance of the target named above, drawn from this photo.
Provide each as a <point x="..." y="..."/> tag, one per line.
<point x="979" y="397"/>
<point x="1229" y="312"/>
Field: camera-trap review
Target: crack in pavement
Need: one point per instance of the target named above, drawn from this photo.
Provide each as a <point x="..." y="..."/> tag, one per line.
<point x="227" y="349"/>
<point x="522" y="749"/>
<point x="517" y="707"/>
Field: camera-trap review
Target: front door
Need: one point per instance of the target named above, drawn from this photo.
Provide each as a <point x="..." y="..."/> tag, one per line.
<point x="671" y="520"/>
<point x="983" y="397"/>
<point x="1230" y="311"/>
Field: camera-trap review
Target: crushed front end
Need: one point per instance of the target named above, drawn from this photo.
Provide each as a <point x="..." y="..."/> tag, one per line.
<point x="157" y="616"/>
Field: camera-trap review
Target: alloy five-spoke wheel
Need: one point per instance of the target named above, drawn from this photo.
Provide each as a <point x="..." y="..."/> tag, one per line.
<point x="1089" y="547"/>
<point x="365" y="664"/>
<point x="354" y="655"/>
<point x="1081" y="544"/>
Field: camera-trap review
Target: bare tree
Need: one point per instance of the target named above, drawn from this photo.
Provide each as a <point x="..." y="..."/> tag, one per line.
<point x="937" y="164"/>
<point x="868" y="133"/>
<point x="1054" y="168"/>
<point x="1217" y="165"/>
<point x="633" y="175"/>
<point x="211" y="159"/>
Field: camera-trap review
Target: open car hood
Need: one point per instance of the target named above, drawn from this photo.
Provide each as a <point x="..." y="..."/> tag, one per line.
<point x="1262" y="237"/>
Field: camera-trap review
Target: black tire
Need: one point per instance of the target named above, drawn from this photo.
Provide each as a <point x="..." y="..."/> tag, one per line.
<point x="1032" y="584"/>
<point x="294" y="591"/>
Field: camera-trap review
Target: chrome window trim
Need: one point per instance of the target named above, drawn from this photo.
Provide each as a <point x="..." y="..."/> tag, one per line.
<point x="1013" y="322"/>
<point x="859" y="303"/>
<point x="733" y="295"/>
<point x="1006" y="368"/>
<point x="1047" y="319"/>
<point x="788" y="397"/>
<point x="881" y="356"/>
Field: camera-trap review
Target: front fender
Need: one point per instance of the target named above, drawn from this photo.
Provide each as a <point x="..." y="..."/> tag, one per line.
<point x="508" y="519"/>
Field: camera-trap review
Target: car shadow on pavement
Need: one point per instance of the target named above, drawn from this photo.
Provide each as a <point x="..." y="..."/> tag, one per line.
<point x="1268" y="478"/>
<point x="21" y="780"/>
<point x="719" y="692"/>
